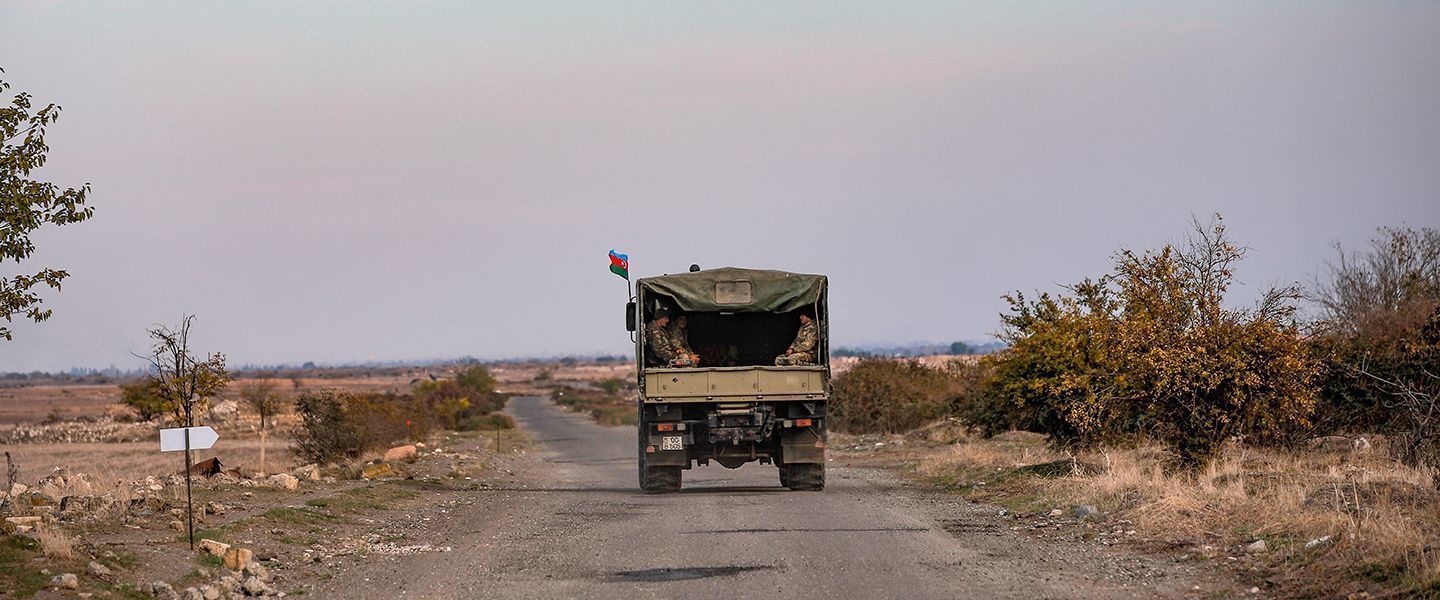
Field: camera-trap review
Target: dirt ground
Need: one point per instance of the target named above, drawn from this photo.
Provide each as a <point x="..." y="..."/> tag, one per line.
<point x="571" y="523"/>
<point x="553" y="510"/>
<point x="555" y="513"/>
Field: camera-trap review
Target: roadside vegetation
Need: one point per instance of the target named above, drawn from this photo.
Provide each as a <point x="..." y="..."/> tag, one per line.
<point x="610" y="401"/>
<point x="1151" y="395"/>
<point x="337" y="424"/>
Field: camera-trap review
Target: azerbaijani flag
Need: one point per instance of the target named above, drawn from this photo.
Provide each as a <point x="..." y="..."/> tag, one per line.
<point x="620" y="264"/>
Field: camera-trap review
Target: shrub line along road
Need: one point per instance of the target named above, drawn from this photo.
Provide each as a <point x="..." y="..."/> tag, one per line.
<point x="577" y="526"/>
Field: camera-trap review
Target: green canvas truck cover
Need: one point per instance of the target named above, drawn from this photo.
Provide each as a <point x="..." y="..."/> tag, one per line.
<point x="730" y="289"/>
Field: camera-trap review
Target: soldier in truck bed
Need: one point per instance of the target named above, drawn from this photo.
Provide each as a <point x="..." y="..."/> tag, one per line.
<point x="802" y="350"/>
<point x="680" y="338"/>
<point x="661" y="344"/>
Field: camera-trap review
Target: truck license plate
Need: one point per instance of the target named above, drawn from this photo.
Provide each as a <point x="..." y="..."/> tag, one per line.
<point x="672" y="442"/>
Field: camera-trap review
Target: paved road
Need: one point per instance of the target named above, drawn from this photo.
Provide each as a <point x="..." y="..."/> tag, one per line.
<point x="581" y="528"/>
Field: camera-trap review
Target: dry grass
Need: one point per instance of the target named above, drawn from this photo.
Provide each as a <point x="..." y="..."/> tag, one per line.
<point x="54" y="543"/>
<point x="606" y="409"/>
<point x="112" y="466"/>
<point x="32" y="404"/>
<point x="1381" y="518"/>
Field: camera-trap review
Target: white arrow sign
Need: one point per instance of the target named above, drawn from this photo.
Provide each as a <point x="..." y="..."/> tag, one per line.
<point x="200" y="438"/>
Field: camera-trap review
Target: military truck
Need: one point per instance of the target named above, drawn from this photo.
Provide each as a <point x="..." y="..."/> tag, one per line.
<point x="736" y="406"/>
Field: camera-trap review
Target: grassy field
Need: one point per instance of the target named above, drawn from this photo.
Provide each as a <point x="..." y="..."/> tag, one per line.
<point x="1336" y="520"/>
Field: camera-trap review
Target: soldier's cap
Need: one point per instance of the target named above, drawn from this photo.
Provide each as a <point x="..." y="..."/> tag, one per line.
<point x="662" y="312"/>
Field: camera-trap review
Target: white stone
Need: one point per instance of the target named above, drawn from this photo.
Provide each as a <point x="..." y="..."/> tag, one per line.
<point x="284" y="481"/>
<point x="97" y="570"/>
<point x="213" y="547"/>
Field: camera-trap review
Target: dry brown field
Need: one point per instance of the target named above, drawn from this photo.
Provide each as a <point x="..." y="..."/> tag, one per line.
<point x="32" y="404"/>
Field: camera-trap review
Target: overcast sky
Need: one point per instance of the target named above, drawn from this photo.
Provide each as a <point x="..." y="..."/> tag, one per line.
<point x="346" y="181"/>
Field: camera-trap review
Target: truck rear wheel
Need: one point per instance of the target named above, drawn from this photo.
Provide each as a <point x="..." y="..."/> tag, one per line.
<point x="661" y="480"/>
<point x="804" y="477"/>
<point x="641" y="460"/>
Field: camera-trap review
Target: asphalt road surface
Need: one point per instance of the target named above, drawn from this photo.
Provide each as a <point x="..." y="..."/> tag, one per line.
<point x="578" y="527"/>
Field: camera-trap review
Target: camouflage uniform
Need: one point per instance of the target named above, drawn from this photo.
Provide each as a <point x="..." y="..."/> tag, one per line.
<point x="679" y="338"/>
<point x="802" y="350"/>
<point x="662" y="344"/>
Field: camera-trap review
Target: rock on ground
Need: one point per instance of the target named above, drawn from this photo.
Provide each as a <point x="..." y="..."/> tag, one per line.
<point x="310" y="471"/>
<point x="284" y="481"/>
<point x="237" y="558"/>
<point x="97" y="570"/>
<point x="68" y="581"/>
<point x="213" y="547"/>
<point x="253" y="586"/>
<point x="163" y="591"/>
<point x="376" y="471"/>
<point x="407" y="453"/>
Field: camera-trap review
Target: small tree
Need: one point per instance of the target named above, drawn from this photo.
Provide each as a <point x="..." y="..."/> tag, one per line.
<point x="324" y="434"/>
<point x="185" y="383"/>
<point x="1385" y="293"/>
<point x="262" y="397"/>
<point x="144" y="397"/>
<point x="27" y="204"/>
<point x="1379" y="333"/>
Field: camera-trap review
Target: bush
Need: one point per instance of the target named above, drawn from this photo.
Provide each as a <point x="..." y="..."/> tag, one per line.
<point x="605" y="407"/>
<point x="334" y="425"/>
<point x="890" y="396"/>
<point x="478" y="381"/>
<point x="144" y="397"/>
<point x="323" y="435"/>
<point x="1379" y="339"/>
<point x="1056" y="360"/>
<point x="489" y="422"/>
<point x="614" y="385"/>
<point x="447" y="404"/>
<point x="383" y="420"/>
<point x="1152" y="349"/>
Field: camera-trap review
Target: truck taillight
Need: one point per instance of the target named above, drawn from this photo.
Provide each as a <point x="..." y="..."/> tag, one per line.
<point x="802" y="422"/>
<point x="665" y="427"/>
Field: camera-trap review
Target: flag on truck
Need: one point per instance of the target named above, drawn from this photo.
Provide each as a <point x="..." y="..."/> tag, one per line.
<point x="620" y="264"/>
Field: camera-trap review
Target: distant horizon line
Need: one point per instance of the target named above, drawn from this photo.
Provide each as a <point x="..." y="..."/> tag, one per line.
<point x="250" y="367"/>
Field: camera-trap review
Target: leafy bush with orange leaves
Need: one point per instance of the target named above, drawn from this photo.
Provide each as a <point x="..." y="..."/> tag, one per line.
<point x="1152" y="349"/>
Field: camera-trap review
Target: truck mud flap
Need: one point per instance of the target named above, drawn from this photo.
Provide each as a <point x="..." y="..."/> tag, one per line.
<point x="800" y="446"/>
<point x="667" y="459"/>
